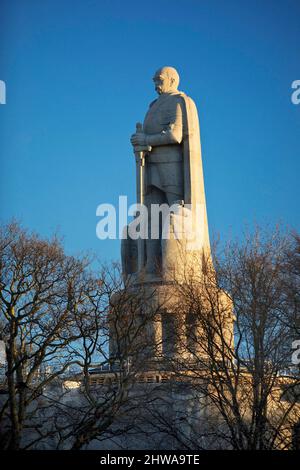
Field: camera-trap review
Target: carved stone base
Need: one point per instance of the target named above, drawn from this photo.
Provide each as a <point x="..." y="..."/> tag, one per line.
<point x="163" y="327"/>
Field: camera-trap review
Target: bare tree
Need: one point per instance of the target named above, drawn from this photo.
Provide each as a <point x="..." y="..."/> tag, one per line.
<point x="59" y="319"/>
<point x="81" y="348"/>
<point x="239" y="372"/>
<point x="117" y="336"/>
<point x="291" y="280"/>
<point x="39" y="288"/>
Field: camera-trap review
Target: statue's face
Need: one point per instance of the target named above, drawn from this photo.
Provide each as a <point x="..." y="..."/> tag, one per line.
<point x="163" y="83"/>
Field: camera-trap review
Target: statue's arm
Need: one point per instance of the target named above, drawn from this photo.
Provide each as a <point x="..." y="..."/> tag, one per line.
<point x="172" y="134"/>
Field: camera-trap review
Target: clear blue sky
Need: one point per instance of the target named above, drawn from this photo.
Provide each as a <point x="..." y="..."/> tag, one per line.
<point x="78" y="77"/>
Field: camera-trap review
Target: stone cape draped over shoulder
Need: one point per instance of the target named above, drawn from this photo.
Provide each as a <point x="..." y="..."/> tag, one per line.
<point x="193" y="192"/>
<point x="193" y="180"/>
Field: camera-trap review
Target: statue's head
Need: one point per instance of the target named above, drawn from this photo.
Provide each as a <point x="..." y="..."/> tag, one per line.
<point x="166" y="80"/>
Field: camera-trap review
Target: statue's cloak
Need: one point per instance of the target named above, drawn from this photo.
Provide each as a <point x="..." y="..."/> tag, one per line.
<point x="194" y="193"/>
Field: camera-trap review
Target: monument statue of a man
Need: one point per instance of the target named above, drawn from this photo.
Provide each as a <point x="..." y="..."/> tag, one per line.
<point x="173" y="167"/>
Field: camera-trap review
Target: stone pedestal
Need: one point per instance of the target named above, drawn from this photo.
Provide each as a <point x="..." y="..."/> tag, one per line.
<point x="158" y="328"/>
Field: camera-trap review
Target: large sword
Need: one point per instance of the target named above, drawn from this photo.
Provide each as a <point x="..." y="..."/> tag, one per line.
<point x="139" y="152"/>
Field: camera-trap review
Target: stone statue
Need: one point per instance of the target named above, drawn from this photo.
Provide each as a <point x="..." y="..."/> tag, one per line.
<point x="168" y="154"/>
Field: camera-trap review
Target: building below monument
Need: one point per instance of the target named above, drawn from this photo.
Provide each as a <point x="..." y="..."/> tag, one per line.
<point x="173" y="412"/>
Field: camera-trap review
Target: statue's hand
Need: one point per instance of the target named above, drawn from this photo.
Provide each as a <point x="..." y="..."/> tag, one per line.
<point x="138" y="139"/>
